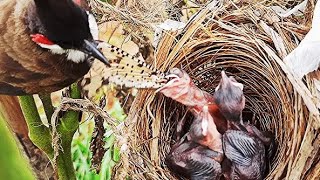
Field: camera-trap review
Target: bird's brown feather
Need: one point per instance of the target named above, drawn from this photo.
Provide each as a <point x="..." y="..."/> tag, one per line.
<point x="26" y="68"/>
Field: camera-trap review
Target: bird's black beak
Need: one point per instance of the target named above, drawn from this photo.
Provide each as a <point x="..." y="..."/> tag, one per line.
<point x="91" y="48"/>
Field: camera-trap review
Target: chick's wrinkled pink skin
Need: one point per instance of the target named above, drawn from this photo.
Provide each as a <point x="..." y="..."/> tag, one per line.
<point x="182" y="89"/>
<point x="243" y="145"/>
<point x="204" y="131"/>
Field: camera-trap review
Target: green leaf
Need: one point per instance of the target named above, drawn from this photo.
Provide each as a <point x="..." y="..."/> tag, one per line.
<point x="109" y="141"/>
<point x="116" y="154"/>
<point x="105" y="172"/>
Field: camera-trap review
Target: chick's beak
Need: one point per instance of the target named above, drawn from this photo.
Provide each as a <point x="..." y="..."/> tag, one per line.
<point x="224" y="78"/>
<point x="91" y="48"/>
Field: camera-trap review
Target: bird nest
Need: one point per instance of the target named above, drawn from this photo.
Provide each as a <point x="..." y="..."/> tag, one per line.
<point x="248" y="42"/>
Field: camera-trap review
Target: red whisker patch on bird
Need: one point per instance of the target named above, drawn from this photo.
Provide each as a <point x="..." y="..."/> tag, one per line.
<point x="41" y="39"/>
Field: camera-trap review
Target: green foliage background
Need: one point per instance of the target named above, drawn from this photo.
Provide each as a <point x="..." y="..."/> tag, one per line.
<point x="13" y="165"/>
<point x="81" y="148"/>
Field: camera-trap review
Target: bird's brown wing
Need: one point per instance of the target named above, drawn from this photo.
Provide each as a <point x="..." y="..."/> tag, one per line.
<point x="239" y="147"/>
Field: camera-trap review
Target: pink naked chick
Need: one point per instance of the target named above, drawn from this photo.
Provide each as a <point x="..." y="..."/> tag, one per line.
<point x="199" y="153"/>
<point x="243" y="144"/>
<point x="182" y="89"/>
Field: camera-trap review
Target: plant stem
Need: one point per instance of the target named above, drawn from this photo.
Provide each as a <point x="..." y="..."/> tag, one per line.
<point x="10" y="157"/>
<point x="38" y="132"/>
<point x="47" y="105"/>
<point x="41" y="136"/>
<point x="67" y="127"/>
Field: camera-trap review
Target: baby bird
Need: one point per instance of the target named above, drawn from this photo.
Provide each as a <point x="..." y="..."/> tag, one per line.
<point x="182" y="89"/>
<point x="204" y="132"/>
<point x="246" y="154"/>
<point x="243" y="144"/>
<point x="230" y="101"/>
<point x="199" y="153"/>
<point x="194" y="161"/>
<point x="229" y="98"/>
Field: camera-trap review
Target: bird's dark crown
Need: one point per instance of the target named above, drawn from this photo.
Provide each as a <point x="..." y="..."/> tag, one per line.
<point x="64" y="22"/>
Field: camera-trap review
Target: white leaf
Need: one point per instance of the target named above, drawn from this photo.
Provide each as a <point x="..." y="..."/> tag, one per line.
<point x="297" y="10"/>
<point x="306" y="57"/>
<point x="167" y="25"/>
<point x="171" y="25"/>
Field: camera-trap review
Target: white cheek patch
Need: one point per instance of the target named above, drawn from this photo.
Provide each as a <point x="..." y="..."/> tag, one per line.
<point x="93" y="26"/>
<point x="71" y="54"/>
<point x="55" y="49"/>
<point x="76" y="56"/>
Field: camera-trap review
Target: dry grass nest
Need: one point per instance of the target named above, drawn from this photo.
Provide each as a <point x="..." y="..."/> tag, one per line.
<point x="249" y="42"/>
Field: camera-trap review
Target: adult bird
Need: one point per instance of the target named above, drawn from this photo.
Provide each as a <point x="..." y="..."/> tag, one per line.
<point x="45" y="45"/>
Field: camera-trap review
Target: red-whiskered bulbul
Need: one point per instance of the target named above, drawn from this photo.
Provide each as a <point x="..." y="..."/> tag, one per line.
<point x="45" y="45"/>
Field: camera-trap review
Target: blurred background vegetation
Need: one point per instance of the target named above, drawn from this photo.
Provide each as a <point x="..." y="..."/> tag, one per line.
<point x="82" y="141"/>
<point x="13" y="163"/>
